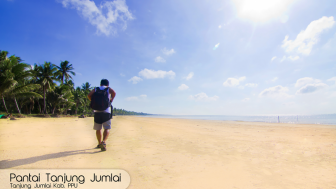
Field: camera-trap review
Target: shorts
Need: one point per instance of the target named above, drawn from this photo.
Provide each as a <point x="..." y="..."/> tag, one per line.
<point x="98" y="118"/>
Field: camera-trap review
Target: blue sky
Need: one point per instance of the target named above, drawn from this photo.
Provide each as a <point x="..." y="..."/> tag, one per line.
<point x="228" y="57"/>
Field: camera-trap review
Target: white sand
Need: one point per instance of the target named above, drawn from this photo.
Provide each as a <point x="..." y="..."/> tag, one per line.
<point x="178" y="153"/>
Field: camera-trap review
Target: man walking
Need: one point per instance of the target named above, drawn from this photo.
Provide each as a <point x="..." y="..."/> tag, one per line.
<point x="101" y="99"/>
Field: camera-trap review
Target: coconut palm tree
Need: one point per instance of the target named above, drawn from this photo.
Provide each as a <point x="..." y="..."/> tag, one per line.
<point x="59" y="96"/>
<point x="13" y="78"/>
<point x="78" y="96"/>
<point x="34" y="69"/>
<point x="86" y="88"/>
<point x="6" y="82"/>
<point x="24" y="91"/>
<point x="65" y="71"/>
<point x="46" y="75"/>
<point x="6" y="77"/>
<point x="3" y="56"/>
<point x="70" y="83"/>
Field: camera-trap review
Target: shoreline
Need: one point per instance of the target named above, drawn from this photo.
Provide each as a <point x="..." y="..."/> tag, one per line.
<point x="194" y="117"/>
<point x="210" y="117"/>
<point x="190" y="119"/>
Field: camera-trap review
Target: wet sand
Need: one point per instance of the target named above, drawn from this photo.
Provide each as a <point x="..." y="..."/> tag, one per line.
<point x="179" y="153"/>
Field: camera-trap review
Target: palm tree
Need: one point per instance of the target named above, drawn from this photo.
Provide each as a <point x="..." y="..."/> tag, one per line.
<point x="86" y="88"/>
<point x="24" y="90"/>
<point x="70" y="83"/>
<point x="34" y="69"/>
<point x="6" y="82"/>
<point x="6" y="77"/>
<point x="3" y="56"/>
<point x="78" y="96"/>
<point x="46" y="75"/>
<point x="13" y="78"/>
<point x="60" y="96"/>
<point x="64" y="71"/>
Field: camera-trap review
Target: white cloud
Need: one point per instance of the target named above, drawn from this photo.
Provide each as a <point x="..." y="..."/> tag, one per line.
<point x="143" y="96"/>
<point x="251" y="85"/>
<point x="168" y="52"/>
<point x="152" y="74"/>
<point x="309" y="85"/>
<point x="106" y="17"/>
<point x="203" y="97"/>
<point x="122" y="75"/>
<point x="231" y="82"/>
<point x="332" y="79"/>
<point x="160" y="59"/>
<point x="284" y="18"/>
<point x="132" y="98"/>
<point x="274" y="57"/>
<point x="135" y="79"/>
<point x="310" y="88"/>
<point x="246" y="99"/>
<point x="306" y="80"/>
<point x="190" y="75"/>
<point x="306" y="39"/>
<point x="216" y="46"/>
<point x="275" y="92"/>
<point x="283" y="58"/>
<point x="274" y="79"/>
<point x="136" y="98"/>
<point x="293" y="58"/>
<point x="183" y="87"/>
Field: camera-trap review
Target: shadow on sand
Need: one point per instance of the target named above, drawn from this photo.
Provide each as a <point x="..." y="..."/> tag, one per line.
<point x="4" y="164"/>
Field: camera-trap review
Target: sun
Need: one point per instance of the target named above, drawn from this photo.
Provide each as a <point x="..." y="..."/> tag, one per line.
<point x="261" y="10"/>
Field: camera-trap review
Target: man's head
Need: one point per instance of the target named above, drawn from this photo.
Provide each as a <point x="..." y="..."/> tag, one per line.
<point x="104" y="82"/>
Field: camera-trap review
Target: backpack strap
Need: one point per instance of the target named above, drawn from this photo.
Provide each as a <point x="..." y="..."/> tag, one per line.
<point x="98" y="89"/>
<point x="111" y="116"/>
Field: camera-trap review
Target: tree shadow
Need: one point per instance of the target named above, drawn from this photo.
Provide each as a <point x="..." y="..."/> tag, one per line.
<point x="5" y="164"/>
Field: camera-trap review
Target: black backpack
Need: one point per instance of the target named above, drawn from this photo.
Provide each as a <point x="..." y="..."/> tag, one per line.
<point x="100" y="100"/>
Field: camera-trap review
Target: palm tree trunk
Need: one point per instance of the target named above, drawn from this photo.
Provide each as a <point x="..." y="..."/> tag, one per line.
<point x="62" y="83"/>
<point x="44" y="101"/>
<point x="3" y="100"/>
<point x="38" y="103"/>
<point x="76" y="109"/>
<point x="17" y="107"/>
<point x="31" y="105"/>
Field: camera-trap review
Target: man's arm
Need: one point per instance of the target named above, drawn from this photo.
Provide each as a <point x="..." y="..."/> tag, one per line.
<point x="90" y="94"/>
<point x="113" y="94"/>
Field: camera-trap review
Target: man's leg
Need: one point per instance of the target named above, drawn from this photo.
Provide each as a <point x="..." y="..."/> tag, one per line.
<point x="106" y="134"/>
<point x="98" y="134"/>
<point x="107" y="127"/>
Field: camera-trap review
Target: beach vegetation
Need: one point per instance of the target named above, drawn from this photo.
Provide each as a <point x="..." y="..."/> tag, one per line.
<point x="43" y="89"/>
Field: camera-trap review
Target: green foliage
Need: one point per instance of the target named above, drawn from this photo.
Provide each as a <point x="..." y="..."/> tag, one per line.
<point x="64" y="71"/>
<point x="117" y="111"/>
<point x="33" y="89"/>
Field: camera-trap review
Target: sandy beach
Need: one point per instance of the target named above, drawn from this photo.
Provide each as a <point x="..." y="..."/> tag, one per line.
<point x="179" y="153"/>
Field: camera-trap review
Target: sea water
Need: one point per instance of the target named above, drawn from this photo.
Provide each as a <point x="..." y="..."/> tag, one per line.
<point x="325" y="119"/>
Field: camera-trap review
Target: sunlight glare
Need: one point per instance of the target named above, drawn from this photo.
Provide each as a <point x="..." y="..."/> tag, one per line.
<point x="261" y="10"/>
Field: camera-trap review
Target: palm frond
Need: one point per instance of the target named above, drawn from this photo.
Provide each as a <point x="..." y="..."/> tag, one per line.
<point x="28" y="95"/>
